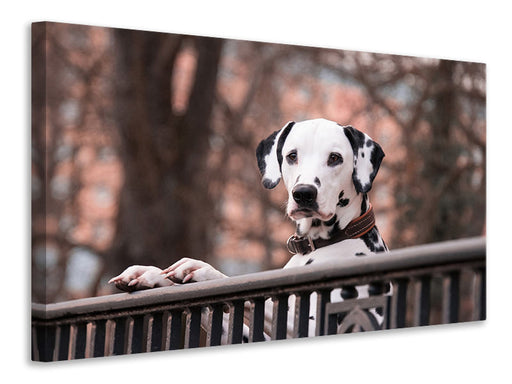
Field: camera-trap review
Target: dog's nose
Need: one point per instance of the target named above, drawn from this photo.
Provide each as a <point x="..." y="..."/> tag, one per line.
<point x="304" y="194"/>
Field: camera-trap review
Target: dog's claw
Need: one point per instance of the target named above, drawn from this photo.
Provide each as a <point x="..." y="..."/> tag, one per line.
<point x="188" y="277"/>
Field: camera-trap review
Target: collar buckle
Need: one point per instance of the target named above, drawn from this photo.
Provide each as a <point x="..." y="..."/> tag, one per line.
<point x="300" y="244"/>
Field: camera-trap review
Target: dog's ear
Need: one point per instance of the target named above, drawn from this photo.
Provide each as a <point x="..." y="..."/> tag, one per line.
<point x="270" y="158"/>
<point x="368" y="156"/>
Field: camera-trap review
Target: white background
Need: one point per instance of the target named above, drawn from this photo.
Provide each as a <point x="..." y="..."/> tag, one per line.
<point x="460" y="30"/>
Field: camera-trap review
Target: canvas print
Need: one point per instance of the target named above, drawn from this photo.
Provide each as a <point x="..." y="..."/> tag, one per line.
<point x="191" y="191"/>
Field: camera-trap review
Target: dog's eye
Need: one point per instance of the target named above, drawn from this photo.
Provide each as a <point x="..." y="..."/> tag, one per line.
<point x="291" y="158"/>
<point x="334" y="159"/>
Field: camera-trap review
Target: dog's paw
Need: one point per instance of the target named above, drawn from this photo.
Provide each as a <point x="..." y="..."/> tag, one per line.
<point x="139" y="277"/>
<point x="186" y="270"/>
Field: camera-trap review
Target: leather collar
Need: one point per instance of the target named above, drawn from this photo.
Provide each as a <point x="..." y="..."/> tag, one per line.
<point x="355" y="229"/>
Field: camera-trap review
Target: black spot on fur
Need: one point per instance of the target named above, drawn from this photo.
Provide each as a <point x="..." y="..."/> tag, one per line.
<point x="360" y="254"/>
<point x="263" y="149"/>
<point x="364" y="204"/>
<point x="280" y="143"/>
<point x="341" y="201"/>
<point x="267" y="183"/>
<point x="355" y="137"/>
<point x="316" y="223"/>
<point x="371" y="239"/>
<point x="331" y="221"/>
<point x="317" y="182"/>
<point x="309" y="261"/>
<point x="335" y="229"/>
<point x="375" y="159"/>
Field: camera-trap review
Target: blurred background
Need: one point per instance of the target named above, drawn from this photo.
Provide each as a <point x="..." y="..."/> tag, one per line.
<point x="143" y="148"/>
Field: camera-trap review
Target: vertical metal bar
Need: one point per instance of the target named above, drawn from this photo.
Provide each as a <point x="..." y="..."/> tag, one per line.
<point x="128" y="335"/>
<point x="215" y="319"/>
<point x="422" y="301"/>
<point x="120" y="336"/>
<point x="193" y="327"/>
<point x="175" y="340"/>
<point x="451" y="296"/>
<point x="398" y="304"/>
<point x="166" y="330"/>
<point x="280" y="317"/>
<point x="301" y="320"/>
<point x="147" y="332"/>
<point x="89" y="339"/>
<point x="35" y="345"/>
<point x="110" y="332"/>
<point x="324" y="297"/>
<point x="72" y="341"/>
<point x="257" y="319"/>
<point x="56" y="351"/>
<point x="479" y="292"/>
<point x="98" y="338"/>
<point x="43" y="342"/>
<point x="156" y="336"/>
<point x="236" y="321"/>
<point x="483" y="298"/>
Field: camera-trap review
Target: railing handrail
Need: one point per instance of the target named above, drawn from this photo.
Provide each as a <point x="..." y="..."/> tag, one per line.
<point x="448" y="252"/>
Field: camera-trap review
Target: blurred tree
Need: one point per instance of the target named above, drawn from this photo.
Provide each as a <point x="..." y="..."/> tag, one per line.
<point x="439" y="107"/>
<point x="68" y="98"/>
<point x="166" y="209"/>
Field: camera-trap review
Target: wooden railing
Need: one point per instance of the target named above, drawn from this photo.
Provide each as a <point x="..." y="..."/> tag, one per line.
<point x="430" y="284"/>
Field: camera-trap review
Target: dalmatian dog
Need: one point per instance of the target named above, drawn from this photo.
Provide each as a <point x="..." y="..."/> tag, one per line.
<point x="328" y="170"/>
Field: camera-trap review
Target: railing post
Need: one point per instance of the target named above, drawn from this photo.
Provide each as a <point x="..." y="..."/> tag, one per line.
<point x="323" y="297"/>
<point x="58" y="341"/>
<point x="72" y="341"/>
<point x="215" y="319"/>
<point x="166" y="331"/>
<point x="422" y="301"/>
<point x="301" y="320"/>
<point x="193" y="327"/>
<point x="110" y="334"/>
<point x="257" y="319"/>
<point x="147" y="332"/>
<point x="89" y="339"/>
<point x="236" y="321"/>
<point x="43" y="342"/>
<point x="174" y="331"/>
<point x="398" y="310"/>
<point x="451" y="296"/>
<point x="128" y="335"/>
<point x="280" y="317"/>
<point x="479" y="294"/>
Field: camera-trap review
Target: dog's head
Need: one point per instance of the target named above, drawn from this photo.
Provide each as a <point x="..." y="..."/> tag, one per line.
<point x="323" y="166"/>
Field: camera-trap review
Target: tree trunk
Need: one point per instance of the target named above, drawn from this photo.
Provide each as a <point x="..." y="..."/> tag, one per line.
<point x="165" y="206"/>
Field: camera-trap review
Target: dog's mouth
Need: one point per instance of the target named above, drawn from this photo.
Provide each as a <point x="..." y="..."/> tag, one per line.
<point x="303" y="213"/>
